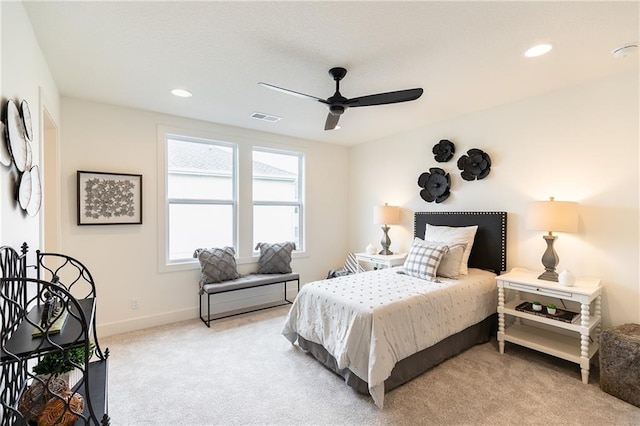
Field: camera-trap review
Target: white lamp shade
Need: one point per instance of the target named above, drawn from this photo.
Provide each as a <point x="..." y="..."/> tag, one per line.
<point x="553" y="216"/>
<point x="386" y="215"/>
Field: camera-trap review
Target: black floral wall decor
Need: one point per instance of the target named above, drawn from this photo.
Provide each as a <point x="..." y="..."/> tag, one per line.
<point x="435" y="185"/>
<point x="475" y="165"/>
<point x="443" y="151"/>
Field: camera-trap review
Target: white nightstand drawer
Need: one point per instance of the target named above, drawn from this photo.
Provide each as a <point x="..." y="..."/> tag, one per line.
<point x="386" y="261"/>
<point x="537" y="290"/>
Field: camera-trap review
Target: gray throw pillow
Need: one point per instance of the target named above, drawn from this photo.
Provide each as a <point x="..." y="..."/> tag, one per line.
<point x="275" y="258"/>
<point x="450" y="264"/>
<point x="216" y="264"/>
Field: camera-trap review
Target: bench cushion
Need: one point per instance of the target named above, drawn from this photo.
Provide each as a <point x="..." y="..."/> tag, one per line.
<point x="249" y="281"/>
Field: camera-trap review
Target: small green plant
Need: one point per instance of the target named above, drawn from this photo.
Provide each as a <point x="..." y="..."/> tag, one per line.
<point x="551" y="306"/>
<point x="61" y="362"/>
<point x="537" y="303"/>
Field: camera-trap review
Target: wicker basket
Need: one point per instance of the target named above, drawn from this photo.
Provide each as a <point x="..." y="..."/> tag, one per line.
<point x="61" y="411"/>
<point x="34" y="399"/>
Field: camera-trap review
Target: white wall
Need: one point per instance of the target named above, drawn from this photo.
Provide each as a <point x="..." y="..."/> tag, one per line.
<point x="24" y="76"/>
<point x="577" y="144"/>
<point x="123" y="258"/>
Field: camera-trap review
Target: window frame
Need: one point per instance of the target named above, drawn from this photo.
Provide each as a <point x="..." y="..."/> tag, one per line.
<point x="300" y="190"/>
<point x="243" y="234"/>
<point x="165" y="263"/>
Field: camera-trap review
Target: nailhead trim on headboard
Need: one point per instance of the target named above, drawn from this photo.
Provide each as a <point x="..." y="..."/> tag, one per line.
<point x="490" y="247"/>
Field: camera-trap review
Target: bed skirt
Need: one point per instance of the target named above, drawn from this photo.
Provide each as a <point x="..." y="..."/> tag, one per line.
<point x="415" y="364"/>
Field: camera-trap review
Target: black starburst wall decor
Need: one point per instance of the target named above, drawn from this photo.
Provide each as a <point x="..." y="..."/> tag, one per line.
<point x="443" y="151"/>
<point x="435" y="185"/>
<point x="475" y="165"/>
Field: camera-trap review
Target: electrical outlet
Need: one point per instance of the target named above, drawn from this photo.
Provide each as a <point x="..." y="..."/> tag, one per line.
<point x="135" y="303"/>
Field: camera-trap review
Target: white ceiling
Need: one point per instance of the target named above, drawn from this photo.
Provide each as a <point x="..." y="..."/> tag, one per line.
<point x="466" y="55"/>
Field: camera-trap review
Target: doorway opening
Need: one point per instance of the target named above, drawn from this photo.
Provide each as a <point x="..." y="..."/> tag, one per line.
<point x="51" y="186"/>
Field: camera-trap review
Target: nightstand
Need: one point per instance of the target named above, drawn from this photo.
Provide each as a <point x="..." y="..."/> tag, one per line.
<point x="576" y="341"/>
<point x="382" y="260"/>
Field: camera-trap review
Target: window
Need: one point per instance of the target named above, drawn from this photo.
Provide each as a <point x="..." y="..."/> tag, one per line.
<point x="277" y="196"/>
<point x="201" y="195"/>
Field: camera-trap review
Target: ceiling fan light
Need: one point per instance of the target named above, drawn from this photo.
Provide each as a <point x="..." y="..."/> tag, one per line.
<point x="181" y="93"/>
<point x="538" y="50"/>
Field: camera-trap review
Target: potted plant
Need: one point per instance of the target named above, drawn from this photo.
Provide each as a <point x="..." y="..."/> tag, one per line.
<point x="63" y="363"/>
<point x="537" y="306"/>
<point x="551" y="309"/>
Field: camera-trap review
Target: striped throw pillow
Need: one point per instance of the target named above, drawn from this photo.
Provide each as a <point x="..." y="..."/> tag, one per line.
<point x="351" y="265"/>
<point x="423" y="260"/>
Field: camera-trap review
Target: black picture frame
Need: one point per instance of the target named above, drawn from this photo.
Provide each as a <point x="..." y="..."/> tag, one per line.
<point x="109" y="198"/>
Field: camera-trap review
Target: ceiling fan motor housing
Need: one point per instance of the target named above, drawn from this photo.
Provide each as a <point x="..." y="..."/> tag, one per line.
<point x="336" y="109"/>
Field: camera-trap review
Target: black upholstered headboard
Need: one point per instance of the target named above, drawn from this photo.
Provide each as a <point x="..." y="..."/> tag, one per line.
<point x="490" y="245"/>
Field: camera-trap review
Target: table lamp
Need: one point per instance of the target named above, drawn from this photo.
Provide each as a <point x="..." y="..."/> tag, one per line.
<point x="552" y="216"/>
<point x="386" y="215"/>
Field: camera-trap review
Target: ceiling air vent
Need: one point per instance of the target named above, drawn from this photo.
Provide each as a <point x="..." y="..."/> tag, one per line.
<point x="265" y="117"/>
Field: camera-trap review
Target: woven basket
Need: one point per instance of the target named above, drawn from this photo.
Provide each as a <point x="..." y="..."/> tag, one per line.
<point x="59" y="411"/>
<point x="34" y="399"/>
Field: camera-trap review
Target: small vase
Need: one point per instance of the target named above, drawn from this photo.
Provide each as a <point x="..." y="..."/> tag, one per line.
<point x="371" y="249"/>
<point x="566" y="278"/>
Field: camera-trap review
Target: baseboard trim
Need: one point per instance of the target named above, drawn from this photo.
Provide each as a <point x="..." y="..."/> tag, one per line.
<point x="232" y="302"/>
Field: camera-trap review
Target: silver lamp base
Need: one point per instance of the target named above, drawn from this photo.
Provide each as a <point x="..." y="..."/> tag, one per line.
<point x="385" y="241"/>
<point x="549" y="260"/>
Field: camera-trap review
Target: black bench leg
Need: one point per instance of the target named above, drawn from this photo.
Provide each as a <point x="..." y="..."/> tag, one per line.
<point x="285" y="291"/>
<point x="208" y="320"/>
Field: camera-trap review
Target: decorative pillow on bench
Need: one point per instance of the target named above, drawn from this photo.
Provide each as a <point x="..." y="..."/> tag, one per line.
<point x="216" y="264"/>
<point x="275" y="258"/>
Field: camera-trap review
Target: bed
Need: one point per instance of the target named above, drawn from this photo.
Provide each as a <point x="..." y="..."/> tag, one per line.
<point x="380" y="329"/>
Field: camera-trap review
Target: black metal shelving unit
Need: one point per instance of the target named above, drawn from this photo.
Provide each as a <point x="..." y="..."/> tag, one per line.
<point x="21" y="305"/>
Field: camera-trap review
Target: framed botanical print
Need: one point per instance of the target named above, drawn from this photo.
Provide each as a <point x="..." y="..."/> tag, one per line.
<point x="109" y="198"/>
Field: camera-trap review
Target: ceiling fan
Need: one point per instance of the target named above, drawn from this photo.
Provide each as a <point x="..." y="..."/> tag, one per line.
<point x="337" y="103"/>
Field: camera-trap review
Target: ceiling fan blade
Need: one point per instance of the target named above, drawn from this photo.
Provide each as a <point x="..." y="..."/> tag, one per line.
<point x="332" y="121"/>
<point x="385" y="98"/>
<point x="291" y="92"/>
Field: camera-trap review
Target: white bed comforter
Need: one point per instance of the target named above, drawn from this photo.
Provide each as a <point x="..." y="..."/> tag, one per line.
<point x="370" y="321"/>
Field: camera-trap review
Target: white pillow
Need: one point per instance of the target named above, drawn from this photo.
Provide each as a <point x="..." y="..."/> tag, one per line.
<point x="451" y="260"/>
<point x="453" y="235"/>
<point x="423" y="260"/>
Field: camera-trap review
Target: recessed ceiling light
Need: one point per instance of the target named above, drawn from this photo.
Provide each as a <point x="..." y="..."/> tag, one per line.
<point x="181" y="93"/>
<point x="337" y="128"/>
<point x="538" y="49"/>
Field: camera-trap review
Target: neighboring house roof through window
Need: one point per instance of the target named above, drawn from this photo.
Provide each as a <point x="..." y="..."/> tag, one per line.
<point x="204" y="158"/>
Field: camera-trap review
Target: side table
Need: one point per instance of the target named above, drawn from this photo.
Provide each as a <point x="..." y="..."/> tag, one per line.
<point x="575" y="341"/>
<point x="382" y="260"/>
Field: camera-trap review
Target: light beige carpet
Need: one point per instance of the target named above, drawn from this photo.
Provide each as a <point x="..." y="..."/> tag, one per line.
<point x="242" y="371"/>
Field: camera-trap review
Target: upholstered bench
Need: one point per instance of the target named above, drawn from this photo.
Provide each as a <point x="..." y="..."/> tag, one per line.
<point x="620" y="362"/>
<point x="242" y="283"/>
<point x="219" y="273"/>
